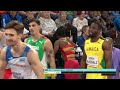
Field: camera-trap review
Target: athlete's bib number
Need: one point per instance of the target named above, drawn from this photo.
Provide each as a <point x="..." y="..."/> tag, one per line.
<point x="92" y="61"/>
<point x="17" y="75"/>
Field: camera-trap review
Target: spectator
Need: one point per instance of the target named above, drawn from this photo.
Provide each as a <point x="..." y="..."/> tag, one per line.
<point x="48" y="25"/>
<point x="81" y="39"/>
<point x="62" y="19"/>
<point x="54" y="15"/>
<point x="115" y="60"/>
<point x="71" y="15"/>
<point x="115" y="13"/>
<point x="90" y="17"/>
<point x="80" y="21"/>
<point x="104" y="16"/>
<point x="109" y="23"/>
<point x="29" y="16"/>
<point x="22" y="14"/>
<point x="1" y="13"/>
<point x="9" y="16"/>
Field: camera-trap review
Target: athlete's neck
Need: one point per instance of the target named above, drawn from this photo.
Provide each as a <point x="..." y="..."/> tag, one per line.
<point x="95" y="39"/>
<point x="36" y="37"/>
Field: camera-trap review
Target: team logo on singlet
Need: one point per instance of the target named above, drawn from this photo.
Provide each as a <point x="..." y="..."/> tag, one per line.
<point x="22" y="59"/>
<point x="40" y="42"/>
<point x="35" y="47"/>
<point x="10" y="58"/>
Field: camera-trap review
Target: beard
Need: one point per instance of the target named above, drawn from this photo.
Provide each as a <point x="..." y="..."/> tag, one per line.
<point x="91" y="35"/>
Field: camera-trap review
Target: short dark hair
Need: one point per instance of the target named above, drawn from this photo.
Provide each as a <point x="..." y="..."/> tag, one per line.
<point x="34" y="20"/>
<point x="60" y="31"/>
<point x="14" y="24"/>
<point x="99" y="24"/>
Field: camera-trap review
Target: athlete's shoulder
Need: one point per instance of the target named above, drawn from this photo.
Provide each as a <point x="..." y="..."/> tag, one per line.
<point x="44" y="37"/>
<point x="29" y="46"/>
<point x="4" y="48"/>
<point x="31" y="50"/>
<point x="102" y="38"/>
<point x="107" y="42"/>
<point x="87" y="40"/>
<point x="27" y="39"/>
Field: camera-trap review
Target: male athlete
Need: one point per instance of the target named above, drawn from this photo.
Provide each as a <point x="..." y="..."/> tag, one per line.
<point x="21" y="59"/>
<point x="97" y="52"/>
<point x="42" y="44"/>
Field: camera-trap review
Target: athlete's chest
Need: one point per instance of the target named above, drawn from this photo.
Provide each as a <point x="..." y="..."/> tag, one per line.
<point x="20" y="62"/>
<point x="97" y="47"/>
<point x="36" y="45"/>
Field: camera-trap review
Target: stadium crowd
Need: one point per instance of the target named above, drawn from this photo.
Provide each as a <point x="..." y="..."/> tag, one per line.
<point x="65" y="39"/>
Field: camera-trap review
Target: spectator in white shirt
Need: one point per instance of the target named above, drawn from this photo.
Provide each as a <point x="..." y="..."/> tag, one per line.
<point x="48" y="25"/>
<point x="80" y="21"/>
<point x="62" y="19"/>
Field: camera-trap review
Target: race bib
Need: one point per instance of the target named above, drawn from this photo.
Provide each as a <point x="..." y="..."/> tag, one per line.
<point x="92" y="61"/>
<point x="17" y="75"/>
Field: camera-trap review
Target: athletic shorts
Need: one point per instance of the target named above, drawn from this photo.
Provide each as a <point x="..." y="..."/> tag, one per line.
<point x="72" y="64"/>
<point x="7" y="74"/>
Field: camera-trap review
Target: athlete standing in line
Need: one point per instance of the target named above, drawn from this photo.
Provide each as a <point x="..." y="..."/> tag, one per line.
<point x="21" y="59"/>
<point x="97" y="52"/>
<point x="42" y="44"/>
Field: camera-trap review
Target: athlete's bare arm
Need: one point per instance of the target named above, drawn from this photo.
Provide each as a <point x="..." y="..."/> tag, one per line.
<point x="3" y="62"/>
<point x="71" y="42"/>
<point x="3" y="42"/>
<point x="83" y="64"/>
<point x="48" y="47"/>
<point x="56" y="46"/>
<point x="35" y="63"/>
<point x="83" y="61"/>
<point x="107" y="48"/>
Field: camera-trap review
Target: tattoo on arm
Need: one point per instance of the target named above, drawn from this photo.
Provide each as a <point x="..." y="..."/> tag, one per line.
<point x="50" y="54"/>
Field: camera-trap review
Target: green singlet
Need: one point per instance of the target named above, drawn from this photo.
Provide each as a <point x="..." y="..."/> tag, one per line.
<point x="38" y="46"/>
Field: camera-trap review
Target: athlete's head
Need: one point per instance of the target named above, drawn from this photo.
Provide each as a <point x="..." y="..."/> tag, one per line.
<point x="34" y="27"/>
<point x="13" y="31"/>
<point x="95" y="29"/>
<point x="60" y="32"/>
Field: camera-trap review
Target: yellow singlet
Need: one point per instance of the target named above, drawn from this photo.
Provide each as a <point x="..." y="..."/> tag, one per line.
<point x="95" y="58"/>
